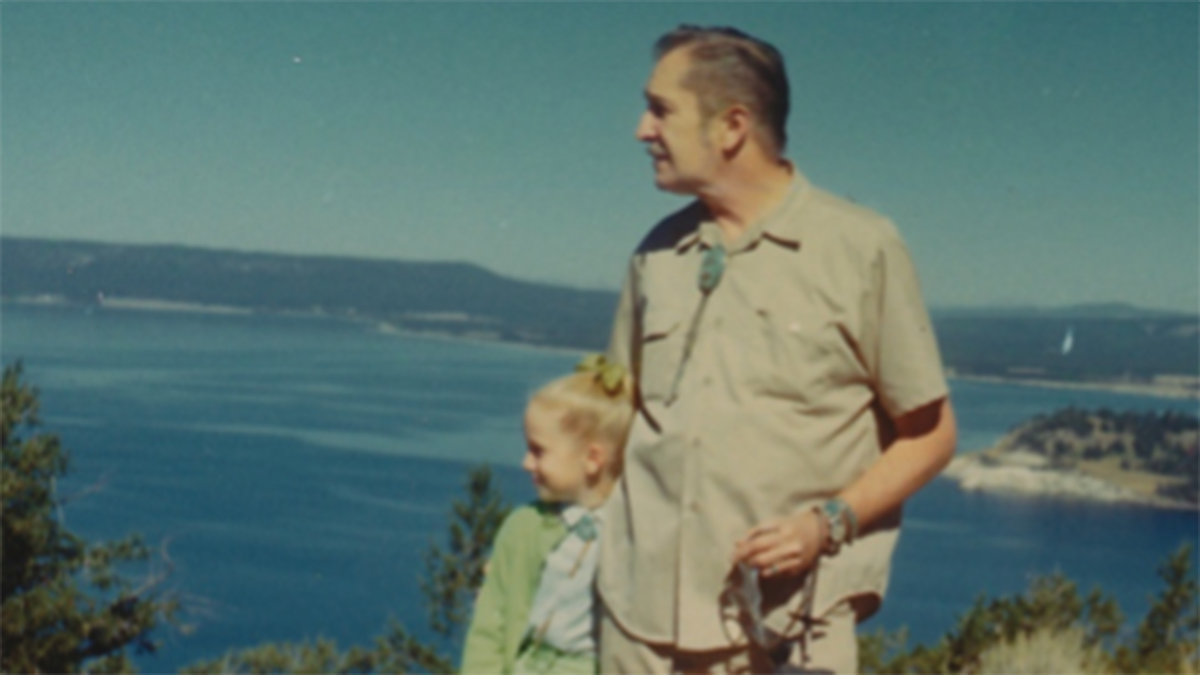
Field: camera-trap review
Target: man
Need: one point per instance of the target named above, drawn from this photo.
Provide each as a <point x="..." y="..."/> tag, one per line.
<point x="791" y="392"/>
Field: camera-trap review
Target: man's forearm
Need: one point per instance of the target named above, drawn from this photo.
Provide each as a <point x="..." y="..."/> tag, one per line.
<point x="924" y="446"/>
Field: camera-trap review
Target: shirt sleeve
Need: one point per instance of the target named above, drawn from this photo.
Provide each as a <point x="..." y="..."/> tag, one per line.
<point x="902" y="349"/>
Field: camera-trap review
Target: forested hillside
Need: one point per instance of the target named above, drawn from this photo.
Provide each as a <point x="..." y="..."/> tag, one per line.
<point x="1102" y="343"/>
<point x="452" y="298"/>
<point x="1160" y="444"/>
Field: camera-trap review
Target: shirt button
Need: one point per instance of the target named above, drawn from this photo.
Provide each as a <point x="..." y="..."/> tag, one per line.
<point x="707" y="381"/>
<point x="695" y="442"/>
<point x="695" y="507"/>
<point x="718" y="321"/>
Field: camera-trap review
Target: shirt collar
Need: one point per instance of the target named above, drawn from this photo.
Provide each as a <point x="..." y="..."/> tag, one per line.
<point x="574" y="515"/>
<point x="775" y="227"/>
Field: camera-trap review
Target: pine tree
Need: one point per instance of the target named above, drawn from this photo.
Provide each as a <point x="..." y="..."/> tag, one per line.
<point x="66" y="608"/>
<point x="1168" y="638"/>
<point x="1015" y="634"/>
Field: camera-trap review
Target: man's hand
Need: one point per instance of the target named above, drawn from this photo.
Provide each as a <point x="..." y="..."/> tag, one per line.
<point x="783" y="547"/>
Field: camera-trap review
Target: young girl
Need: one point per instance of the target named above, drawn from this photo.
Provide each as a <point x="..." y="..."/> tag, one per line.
<point x="536" y="610"/>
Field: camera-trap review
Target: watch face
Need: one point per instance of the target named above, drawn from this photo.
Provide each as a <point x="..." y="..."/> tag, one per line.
<point x="837" y="522"/>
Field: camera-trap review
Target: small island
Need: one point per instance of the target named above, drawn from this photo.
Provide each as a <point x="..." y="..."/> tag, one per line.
<point x="1145" y="458"/>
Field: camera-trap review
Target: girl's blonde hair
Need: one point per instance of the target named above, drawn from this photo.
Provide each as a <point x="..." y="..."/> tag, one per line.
<point x="597" y="404"/>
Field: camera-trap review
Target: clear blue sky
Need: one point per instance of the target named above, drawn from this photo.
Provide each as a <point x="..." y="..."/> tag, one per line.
<point x="1031" y="153"/>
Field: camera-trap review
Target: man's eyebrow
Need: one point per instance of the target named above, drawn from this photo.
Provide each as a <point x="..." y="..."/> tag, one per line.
<point x="656" y="100"/>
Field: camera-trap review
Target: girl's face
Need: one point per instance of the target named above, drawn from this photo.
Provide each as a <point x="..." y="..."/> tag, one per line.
<point x="556" y="459"/>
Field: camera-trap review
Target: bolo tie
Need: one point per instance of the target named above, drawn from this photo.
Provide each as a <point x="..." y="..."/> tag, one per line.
<point x="712" y="268"/>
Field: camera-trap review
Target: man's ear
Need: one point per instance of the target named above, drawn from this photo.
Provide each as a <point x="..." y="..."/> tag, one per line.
<point x="734" y="128"/>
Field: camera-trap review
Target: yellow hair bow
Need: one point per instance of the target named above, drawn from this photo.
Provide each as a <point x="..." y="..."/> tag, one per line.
<point x="610" y="376"/>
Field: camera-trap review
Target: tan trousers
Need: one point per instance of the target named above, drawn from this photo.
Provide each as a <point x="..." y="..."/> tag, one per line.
<point x="831" y="647"/>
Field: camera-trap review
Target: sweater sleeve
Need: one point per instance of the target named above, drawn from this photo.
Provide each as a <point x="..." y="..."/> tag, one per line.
<point x="487" y="638"/>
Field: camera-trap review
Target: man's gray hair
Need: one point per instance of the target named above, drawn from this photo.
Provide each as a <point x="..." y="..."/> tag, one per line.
<point x="730" y="67"/>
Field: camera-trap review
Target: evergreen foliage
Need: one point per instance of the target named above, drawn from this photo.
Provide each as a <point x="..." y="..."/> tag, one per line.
<point x="1168" y="638"/>
<point x="1159" y="443"/>
<point x="66" y="607"/>
<point x="452" y="576"/>
<point x="998" y="635"/>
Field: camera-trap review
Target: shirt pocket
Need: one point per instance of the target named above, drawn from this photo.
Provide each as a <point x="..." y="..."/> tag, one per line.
<point x="662" y="349"/>
<point x="805" y="356"/>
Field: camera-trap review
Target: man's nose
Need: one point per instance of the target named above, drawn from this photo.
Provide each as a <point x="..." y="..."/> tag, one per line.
<point x="645" y="127"/>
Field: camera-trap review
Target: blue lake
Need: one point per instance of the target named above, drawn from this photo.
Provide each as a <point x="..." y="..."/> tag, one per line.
<point x="297" y="469"/>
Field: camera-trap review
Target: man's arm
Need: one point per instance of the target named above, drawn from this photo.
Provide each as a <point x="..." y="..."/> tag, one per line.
<point x="901" y="355"/>
<point x="926" y="438"/>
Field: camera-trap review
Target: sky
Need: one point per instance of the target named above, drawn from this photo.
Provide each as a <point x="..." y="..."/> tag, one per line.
<point x="1039" y="154"/>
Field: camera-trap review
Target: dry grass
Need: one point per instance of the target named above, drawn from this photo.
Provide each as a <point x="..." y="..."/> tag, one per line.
<point x="1189" y="662"/>
<point x="1062" y="652"/>
<point x="1044" y="652"/>
<point x="1109" y="470"/>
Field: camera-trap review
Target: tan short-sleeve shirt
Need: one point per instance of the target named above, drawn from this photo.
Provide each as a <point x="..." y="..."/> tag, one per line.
<point x="759" y="399"/>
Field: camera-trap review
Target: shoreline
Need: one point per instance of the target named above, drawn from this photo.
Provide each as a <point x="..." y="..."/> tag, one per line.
<point x="376" y="324"/>
<point x="387" y="328"/>
<point x="1113" y="387"/>
<point x="1015" y="473"/>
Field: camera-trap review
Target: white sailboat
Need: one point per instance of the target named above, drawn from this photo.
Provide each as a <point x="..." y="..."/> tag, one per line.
<point x="1068" y="342"/>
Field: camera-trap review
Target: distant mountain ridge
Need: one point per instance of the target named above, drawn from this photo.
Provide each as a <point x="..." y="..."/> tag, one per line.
<point x="1107" y="343"/>
<point x="454" y="298"/>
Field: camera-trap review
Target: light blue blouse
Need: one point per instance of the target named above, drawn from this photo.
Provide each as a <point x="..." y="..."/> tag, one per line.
<point x="564" y="608"/>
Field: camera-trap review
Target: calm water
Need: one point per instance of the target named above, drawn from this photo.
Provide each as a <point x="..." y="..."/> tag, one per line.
<point x="297" y="469"/>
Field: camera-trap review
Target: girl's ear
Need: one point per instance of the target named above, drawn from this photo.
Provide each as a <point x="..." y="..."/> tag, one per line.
<point x="595" y="458"/>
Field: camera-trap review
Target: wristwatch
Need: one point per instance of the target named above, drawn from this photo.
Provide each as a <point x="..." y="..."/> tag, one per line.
<point x="841" y="524"/>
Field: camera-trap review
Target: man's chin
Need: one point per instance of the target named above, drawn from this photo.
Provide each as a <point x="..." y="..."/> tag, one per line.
<point x="672" y="186"/>
<point x="666" y="181"/>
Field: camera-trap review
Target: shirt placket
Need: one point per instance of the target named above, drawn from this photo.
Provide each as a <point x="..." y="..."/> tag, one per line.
<point x="696" y="398"/>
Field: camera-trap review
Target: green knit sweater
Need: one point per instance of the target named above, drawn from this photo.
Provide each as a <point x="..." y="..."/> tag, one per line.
<point x="499" y="624"/>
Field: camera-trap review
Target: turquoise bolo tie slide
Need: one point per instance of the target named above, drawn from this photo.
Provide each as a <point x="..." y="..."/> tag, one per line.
<point x="711" y="268"/>
<point x="585" y="529"/>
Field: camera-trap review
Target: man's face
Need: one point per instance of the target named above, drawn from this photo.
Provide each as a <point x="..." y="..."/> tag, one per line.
<point x="675" y="132"/>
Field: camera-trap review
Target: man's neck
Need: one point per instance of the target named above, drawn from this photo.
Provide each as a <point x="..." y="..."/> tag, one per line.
<point x="744" y="197"/>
